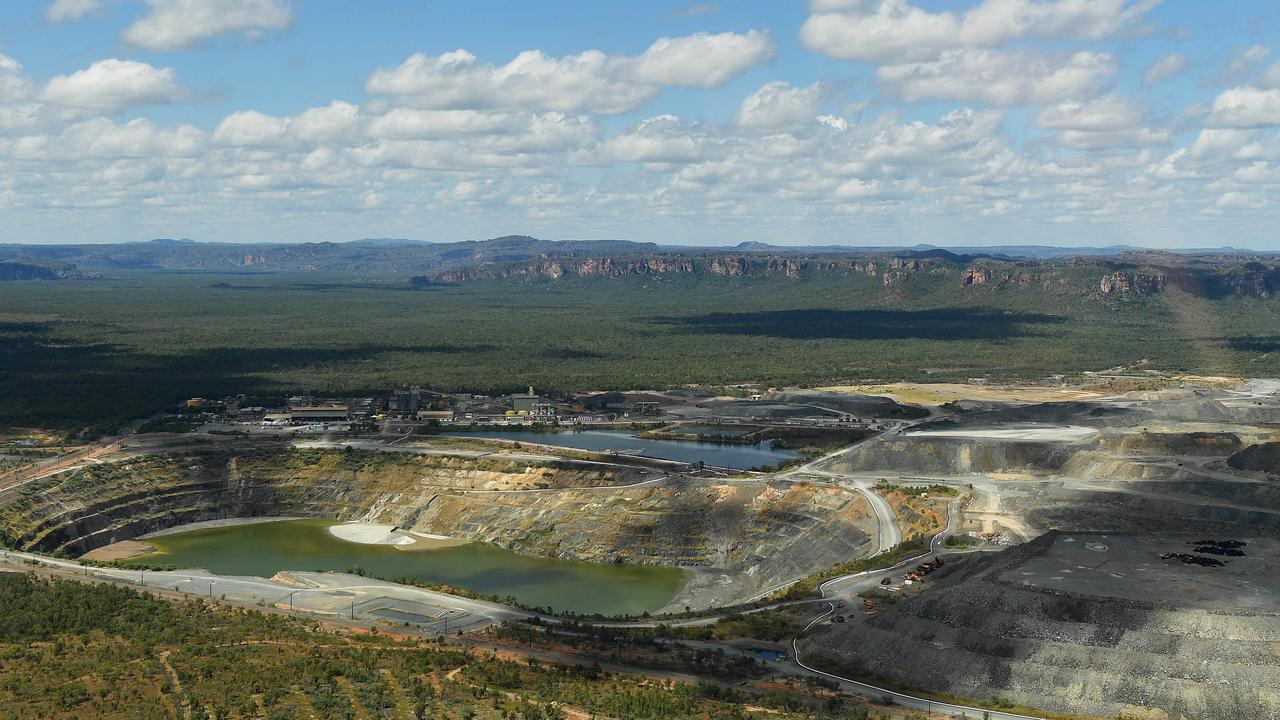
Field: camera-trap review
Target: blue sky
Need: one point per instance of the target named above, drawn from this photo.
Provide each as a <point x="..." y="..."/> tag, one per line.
<point x="835" y="121"/>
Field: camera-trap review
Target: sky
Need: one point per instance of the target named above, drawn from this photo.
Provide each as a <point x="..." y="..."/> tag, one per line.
<point x="854" y="122"/>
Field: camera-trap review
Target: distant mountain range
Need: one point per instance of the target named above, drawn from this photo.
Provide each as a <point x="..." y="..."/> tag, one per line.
<point x="1104" y="270"/>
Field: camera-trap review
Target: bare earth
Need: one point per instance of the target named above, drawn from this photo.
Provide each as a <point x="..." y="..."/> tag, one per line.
<point x="123" y="550"/>
<point x="939" y="393"/>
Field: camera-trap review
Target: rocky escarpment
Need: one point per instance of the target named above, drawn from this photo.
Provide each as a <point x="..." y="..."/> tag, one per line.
<point x="38" y="270"/>
<point x="1131" y="283"/>
<point x="1088" y="624"/>
<point x="741" y="537"/>
<point x="726" y="265"/>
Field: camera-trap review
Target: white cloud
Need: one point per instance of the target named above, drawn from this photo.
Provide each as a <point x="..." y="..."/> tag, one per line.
<point x="337" y="123"/>
<point x="14" y="85"/>
<point x="1166" y="68"/>
<point x="113" y="85"/>
<point x="1242" y="64"/>
<point x="661" y="139"/>
<point x="589" y="81"/>
<point x="1246" y="107"/>
<point x="1241" y="201"/>
<point x="895" y="31"/>
<point x="1003" y="79"/>
<point x="1109" y="112"/>
<point x="1258" y="173"/>
<point x="700" y="60"/>
<point x="179" y="24"/>
<point x="331" y="123"/>
<point x="1217" y="144"/>
<point x="459" y="143"/>
<point x="251" y="128"/>
<point x="856" y="188"/>
<point x="60" y="11"/>
<point x="1271" y="77"/>
<point x="138" y="138"/>
<point x="411" y="124"/>
<point x="779" y="105"/>
<point x="1111" y="139"/>
<point x="1102" y="123"/>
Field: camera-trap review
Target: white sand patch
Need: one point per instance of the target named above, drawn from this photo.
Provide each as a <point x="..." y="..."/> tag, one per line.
<point x="371" y="534"/>
<point x="1048" y="433"/>
<point x="428" y="536"/>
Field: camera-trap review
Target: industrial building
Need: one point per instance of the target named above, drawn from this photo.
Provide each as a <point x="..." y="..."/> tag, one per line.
<point x="526" y="402"/>
<point x="319" y="413"/>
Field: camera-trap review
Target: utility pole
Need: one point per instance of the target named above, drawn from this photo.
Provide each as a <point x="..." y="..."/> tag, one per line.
<point x="210" y="588"/>
<point x="142" y="577"/>
<point x="291" y="600"/>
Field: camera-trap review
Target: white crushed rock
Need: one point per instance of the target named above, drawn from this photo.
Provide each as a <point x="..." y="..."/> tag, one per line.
<point x="371" y="534"/>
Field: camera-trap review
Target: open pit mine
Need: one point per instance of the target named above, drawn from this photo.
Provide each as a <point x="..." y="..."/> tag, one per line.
<point x="1092" y="552"/>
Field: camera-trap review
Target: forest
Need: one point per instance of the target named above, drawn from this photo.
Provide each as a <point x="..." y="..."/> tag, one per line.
<point x="85" y="356"/>
<point x="77" y="650"/>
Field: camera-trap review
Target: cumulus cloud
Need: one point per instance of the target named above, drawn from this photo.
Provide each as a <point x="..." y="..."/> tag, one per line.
<point x="661" y="139"/>
<point x="779" y="105"/>
<point x="14" y="85"/>
<point x="179" y="24"/>
<point x="332" y="123"/>
<point x="1110" y="112"/>
<point x="998" y="78"/>
<point x="1112" y="139"/>
<point x="414" y="124"/>
<point x="451" y="136"/>
<point x="138" y="138"/>
<point x="896" y="31"/>
<point x="60" y="11"/>
<point x="112" y="84"/>
<point x="700" y="60"/>
<point x="1166" y="68"/>
<point x="250" y="128"/>
<point x="1241" y="201"/>
<point x="589" y="81"/>
<point x="1246" y="107"/>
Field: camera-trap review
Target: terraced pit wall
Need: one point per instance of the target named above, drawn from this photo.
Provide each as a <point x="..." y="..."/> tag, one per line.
<point x="1112" y="648"/>
<point x="737" y="536"/>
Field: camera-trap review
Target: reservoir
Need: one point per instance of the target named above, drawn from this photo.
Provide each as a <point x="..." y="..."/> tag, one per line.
<point x="739" y="457"/>
<point x="264" y="549"/>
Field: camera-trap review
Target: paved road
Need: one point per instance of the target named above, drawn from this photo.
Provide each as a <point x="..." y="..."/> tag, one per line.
<point x="888" y="535"/>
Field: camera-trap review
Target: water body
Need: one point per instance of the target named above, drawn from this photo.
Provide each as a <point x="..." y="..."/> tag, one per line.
<point x="740" y="457"/>
<point x="264" y="549"/>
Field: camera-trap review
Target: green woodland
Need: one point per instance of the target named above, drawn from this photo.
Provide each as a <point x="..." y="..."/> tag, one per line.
<point x="77" y="650"/>
<point x="87" y="355"/>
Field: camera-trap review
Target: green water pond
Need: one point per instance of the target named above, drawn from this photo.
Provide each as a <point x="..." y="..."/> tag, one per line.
<point x="263" y="549"/>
